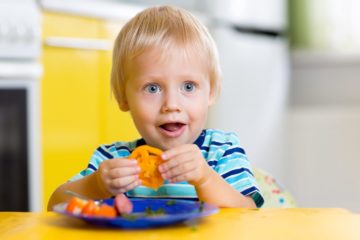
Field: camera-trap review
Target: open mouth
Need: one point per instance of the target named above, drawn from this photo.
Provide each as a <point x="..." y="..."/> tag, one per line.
<point x="174" y="129"/>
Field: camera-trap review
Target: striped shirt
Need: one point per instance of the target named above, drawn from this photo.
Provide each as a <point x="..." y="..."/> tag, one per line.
<point x="221" y="150"/>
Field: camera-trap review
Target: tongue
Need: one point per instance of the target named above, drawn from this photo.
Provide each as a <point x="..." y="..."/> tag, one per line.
<point x="172" y="127"/>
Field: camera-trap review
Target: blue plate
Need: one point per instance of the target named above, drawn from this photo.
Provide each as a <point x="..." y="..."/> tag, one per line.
<point x="164" y="212"/>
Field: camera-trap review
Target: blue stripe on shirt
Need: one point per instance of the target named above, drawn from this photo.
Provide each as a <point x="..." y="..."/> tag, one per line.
<point x="105" y="154"/>
<point x="92" y="167"/>
<point x="232" y="150"/>
<point x="212" y="163"/>
<point x="220" y="143"/>
<point x="123" y="148"/>
<point x="206" y="149"/>
<point x="249" y="190"/>
<point x="236" y="171"/>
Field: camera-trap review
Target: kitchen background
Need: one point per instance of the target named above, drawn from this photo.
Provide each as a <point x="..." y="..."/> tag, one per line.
<point x="291" y="90"/>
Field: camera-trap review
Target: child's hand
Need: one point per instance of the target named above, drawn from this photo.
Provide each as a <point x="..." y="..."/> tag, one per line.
<point x="118" y="175"/>
<point x="185" y="163"/>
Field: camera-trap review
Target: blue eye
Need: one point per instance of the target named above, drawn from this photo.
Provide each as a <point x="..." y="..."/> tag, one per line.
<point x="152" y="88"/>
<point x="189" y="87"/>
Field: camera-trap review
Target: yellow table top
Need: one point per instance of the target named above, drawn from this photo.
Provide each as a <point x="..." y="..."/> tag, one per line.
<point x="295" y="223"/>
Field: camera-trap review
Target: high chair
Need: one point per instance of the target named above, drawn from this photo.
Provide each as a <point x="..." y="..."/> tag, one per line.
<point x="275" y="196"/>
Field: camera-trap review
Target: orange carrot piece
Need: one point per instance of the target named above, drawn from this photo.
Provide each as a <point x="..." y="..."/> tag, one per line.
<point x="90" y="208"/>
<point x="75" y="205"/>
<point x="106" y="211"/>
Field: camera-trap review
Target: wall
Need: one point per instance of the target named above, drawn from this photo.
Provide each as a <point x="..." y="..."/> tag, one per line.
<point x="254" y="90"/>
<point x="323" y="135"/>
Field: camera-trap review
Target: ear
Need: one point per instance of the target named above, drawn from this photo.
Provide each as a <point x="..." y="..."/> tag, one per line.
<point x="123" y="103"/>
<point x="124" y="106"/>
<point x="212" y="97"/>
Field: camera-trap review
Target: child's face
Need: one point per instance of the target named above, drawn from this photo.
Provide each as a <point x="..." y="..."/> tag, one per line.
<point x="168" y="97"/>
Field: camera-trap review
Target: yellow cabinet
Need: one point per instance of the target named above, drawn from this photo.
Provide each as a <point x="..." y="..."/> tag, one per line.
<point x="78" y="113"/>
<point x="116" y="125"/>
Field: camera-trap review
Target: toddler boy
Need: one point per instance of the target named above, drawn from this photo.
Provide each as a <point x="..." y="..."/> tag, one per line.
<point x="166" y="73"/>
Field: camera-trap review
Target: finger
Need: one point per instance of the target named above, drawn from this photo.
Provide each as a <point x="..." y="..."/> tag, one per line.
<point x="171" y="153"/>
<point x="132" y="185"/>
<point x="121" y="162"/>
<point x="123" y="172"/>
<point x="182" y="177"/>
<point x="123" y="181"/>
<point x="175" y="161"/>
<point x="181" y="169"/>
<point x="128" y="187"/>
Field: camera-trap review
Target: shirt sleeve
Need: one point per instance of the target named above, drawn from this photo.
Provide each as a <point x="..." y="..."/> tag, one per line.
<point x="234" y="166"/>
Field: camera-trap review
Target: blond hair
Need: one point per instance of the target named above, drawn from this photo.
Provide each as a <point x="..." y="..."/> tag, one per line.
<point x="163" y="27"/>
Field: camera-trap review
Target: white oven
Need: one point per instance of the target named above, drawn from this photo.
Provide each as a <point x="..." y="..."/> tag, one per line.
<point x="20" y="74"/>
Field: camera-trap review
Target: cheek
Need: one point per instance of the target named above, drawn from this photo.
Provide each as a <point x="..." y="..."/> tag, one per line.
<point x="198" y="110"/>
<point x="142" y="110"/>
<point x="138" y="102"/>
<point x="141" y="120"/>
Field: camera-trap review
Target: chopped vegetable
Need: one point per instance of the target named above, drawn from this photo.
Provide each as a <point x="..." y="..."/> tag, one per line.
<point x="75" y="205"/>
<point x="150" y="212"/>
<point x="106" y="211"/>
<point x="89" y="208"/>
<point x="170" y="202"/>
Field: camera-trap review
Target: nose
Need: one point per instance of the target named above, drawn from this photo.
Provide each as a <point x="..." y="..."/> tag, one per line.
<point x="171" y="102"/>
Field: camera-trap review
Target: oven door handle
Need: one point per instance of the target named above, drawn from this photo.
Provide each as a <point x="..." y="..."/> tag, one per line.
<point x="79" y="43"/>
<point x="19" y="70"/>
